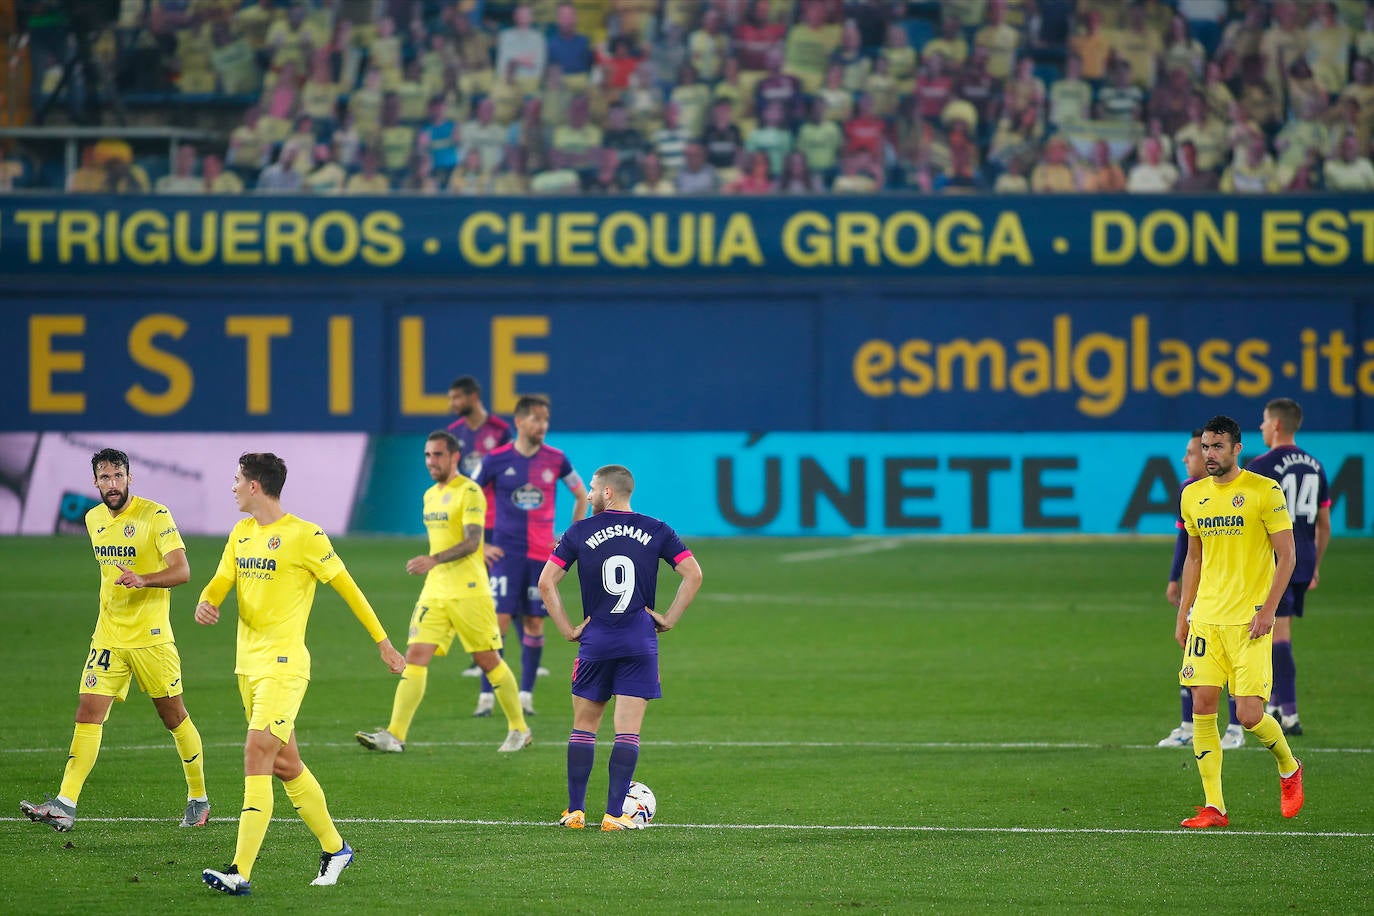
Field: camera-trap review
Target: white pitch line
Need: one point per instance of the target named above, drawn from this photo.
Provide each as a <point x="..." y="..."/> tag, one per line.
<point x="838" y="745"/>
<point x="833" y="828"/>
<point x="851" y="550"/>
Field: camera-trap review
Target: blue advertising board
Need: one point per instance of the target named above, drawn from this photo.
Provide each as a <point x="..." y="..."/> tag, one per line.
<point x="406" y="237"/>
<point x="674" y="360"/>
<point x="833" y="484"/>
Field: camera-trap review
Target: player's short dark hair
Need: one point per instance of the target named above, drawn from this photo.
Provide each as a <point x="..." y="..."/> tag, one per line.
<point x="466" y="384"/>
<point x="529" y="402"/>
<point x="1223" y="425"/>
<point x="1196" y="434"/>
<point x="267" y="469"/>
<point x="617" y="477"/>
<point x="442" y="435"/>
<point x="109" y="456"/>
<point x="1288" y="411"/>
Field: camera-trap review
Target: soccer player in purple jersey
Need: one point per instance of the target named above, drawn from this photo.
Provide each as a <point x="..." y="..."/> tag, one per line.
<point x="617" y="653"/>
<point x="477" y="432"/>
<point x="1195" y="468"/>
<point x="523" y="477"/>
<point x="1309" y="503"/>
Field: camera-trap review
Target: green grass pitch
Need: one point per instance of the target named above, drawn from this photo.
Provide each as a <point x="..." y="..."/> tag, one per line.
<point x="928" y="726"/>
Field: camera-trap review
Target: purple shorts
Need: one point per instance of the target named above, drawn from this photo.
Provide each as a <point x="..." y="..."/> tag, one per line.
<point x="1291" y="604"/>
<point x="630" y="676"/>
<point x="515" y="586"/>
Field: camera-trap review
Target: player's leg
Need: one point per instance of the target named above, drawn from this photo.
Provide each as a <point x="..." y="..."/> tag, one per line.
<point x="158" y="669"/>
<point x="106" y="678"/>
<point x="1206" y="668"/>
<point x="504" y="593"/>
<point x="591" y="693"/>
<point x="1285" y="693"/>
<point x="431" y="633"/>
<point x="635" y="682"/>
<point x="532" y="634"/>
<point x="307" y="796"/>
<point x="1182" y="736"/>
<point x="1253" y="675"/>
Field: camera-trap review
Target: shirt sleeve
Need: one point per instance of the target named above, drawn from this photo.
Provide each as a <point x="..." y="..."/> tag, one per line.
<point x="673" y="550"/>
<point x="320" y="557"/>
<point x="225" y="575"/>
<point x="167" y="535"/>
<point x="474" y="508"/>
<point x="565" y="553"/>
<point x="1276" y="517"/>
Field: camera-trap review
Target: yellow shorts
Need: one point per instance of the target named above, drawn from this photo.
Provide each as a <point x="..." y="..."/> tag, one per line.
<point x="272" y="703"/>
<point x="472" y="620"/>
<point x="108" y="671"/>
<point x="1226" y="656"/>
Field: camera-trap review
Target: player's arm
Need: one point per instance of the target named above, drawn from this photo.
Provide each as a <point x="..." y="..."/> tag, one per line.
<point x="549" y="577"/>
<point x="178" y="572"/>
<point x="472" y="537"/>
<point x="1285" y="558"/>
<point x="579" y="491"/>
<point x="207" y="610"/>
<point x="1192" y="575"/>
<point x="690" y="571"/>
<point x="357" y="603"/>
<point x="1323" y="538"/>
<point x="1174" y="590"/>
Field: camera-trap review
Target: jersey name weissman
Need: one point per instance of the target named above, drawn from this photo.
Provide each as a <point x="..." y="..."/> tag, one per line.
<point x="610" y="531"/>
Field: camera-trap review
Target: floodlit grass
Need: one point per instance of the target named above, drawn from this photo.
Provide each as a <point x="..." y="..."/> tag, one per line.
<point x="941" y="725"/>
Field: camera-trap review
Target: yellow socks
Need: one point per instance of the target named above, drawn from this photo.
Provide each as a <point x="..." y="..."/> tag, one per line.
<point x="1207" y="751"/>
<point x="253" y="821"/>
<point x="305" y="793"/>
<point x="81" y="759"/>
<point x="1270" y="734"/>
<point x="508" y="695"/>
<point x="409" y="693"/>
<point x="192" y="761"/>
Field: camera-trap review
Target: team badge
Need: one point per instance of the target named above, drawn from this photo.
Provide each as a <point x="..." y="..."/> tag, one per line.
<point x="527" y="497"/>
<point x="273" y="542"/>
<point x="548" y="476"/>
<point x="1187" y="671"/>
<point x="488" y="443"/>
<point x="129" y="531"/>
<point x="1238" y="500"/>
<point x="447" y="497"/>
<point x="91" y="680"/>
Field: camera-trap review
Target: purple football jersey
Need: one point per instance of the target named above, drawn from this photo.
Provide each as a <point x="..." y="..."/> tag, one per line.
<point x="619" y="552"/>
<point x="1305" y="490"/>
<point x="476" y="444"/>
<point x="523" y="493"/>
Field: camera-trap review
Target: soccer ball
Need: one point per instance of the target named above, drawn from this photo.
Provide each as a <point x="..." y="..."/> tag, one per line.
<point x="640" y="803"/>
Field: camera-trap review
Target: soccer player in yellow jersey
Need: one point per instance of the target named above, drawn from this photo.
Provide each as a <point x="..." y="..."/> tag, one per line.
<point x="1240" y="556"/>
<point x="455" y="601"/>
<point x="141" y="559"/>
<point x="275" y="559"/>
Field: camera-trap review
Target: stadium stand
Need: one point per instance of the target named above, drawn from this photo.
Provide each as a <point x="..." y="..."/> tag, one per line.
<point x="929" y="96"/>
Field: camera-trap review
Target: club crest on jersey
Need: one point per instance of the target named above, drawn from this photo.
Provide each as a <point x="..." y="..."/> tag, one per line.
<point x="527" y="497"/>
<point x="129" y="531"/>
<point x="273" y="542"/>
<point x="468" y="463"/>
<point x="91" y="680"/>
<point x="1238" y="500"/>
<point x="489" y="443"/>
<point x="1187" y="670"/>
<point x="447" y="497"/>
<point x="548" y="476"/>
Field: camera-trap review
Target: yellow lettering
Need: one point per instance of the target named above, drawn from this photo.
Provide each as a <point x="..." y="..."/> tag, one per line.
<point x="1140" y="352"/>
<point x="241" y="237"/>
<point x="857" y="230"/>
<point x="1362" y="218"/>
<point x="1250" y="355"/>
<point x="1211" y="357"/>
<point x="257" y="332"/>
<point x="920" y="376"/>
<point x="340" y="365"/>
<point x="892" y="238"/>
<point x="1364" y="378"/>
<point x="540" y="236"/>
<point x="415" y="401"/>
<point x="1223" y="241"/>
<point x="1151" y="226"/>
<point x="468" y="241"/>
<point x="1008" y="240"/>
<point x="1063" y="347"/>
<point x="508" y="362"/>
<point x="34" y="221"/>
<point x="1329" y="245"/>
<point x="659" y="236"/>
<point x="1030" y="374"/>
<point x="872" y="362"/>
<point x="45" y="362"/>
<point x="382" y="242"/>
<point x="286" y="230"/>
<point x="78" y="228"/>
<point x="633" y="254"/>
<point x="181" y="238"/>
<point x="158" y="250"/>
<point x="1105" y="224"/>
<point x="1308" y="372"/>
<point x="806" y="239"/>
<point x="971" y="354"/>
<point x="347" y="226"/>
<point x="144" y="351"/>
<point x="576" y="233"/>
<point x="738" y="240"/>
<point x="1102" y="394"/>
<point x="1173" y="374"/>
<point x="963" y="248"/>
<point x="1280" y="228"/>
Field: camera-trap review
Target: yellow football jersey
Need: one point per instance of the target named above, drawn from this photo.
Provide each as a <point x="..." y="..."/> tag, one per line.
<point x="139" y="539"/>
<point x="448" y="508"/>
<point x="1234" y="521"/>
<point x="275" y="568"/>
